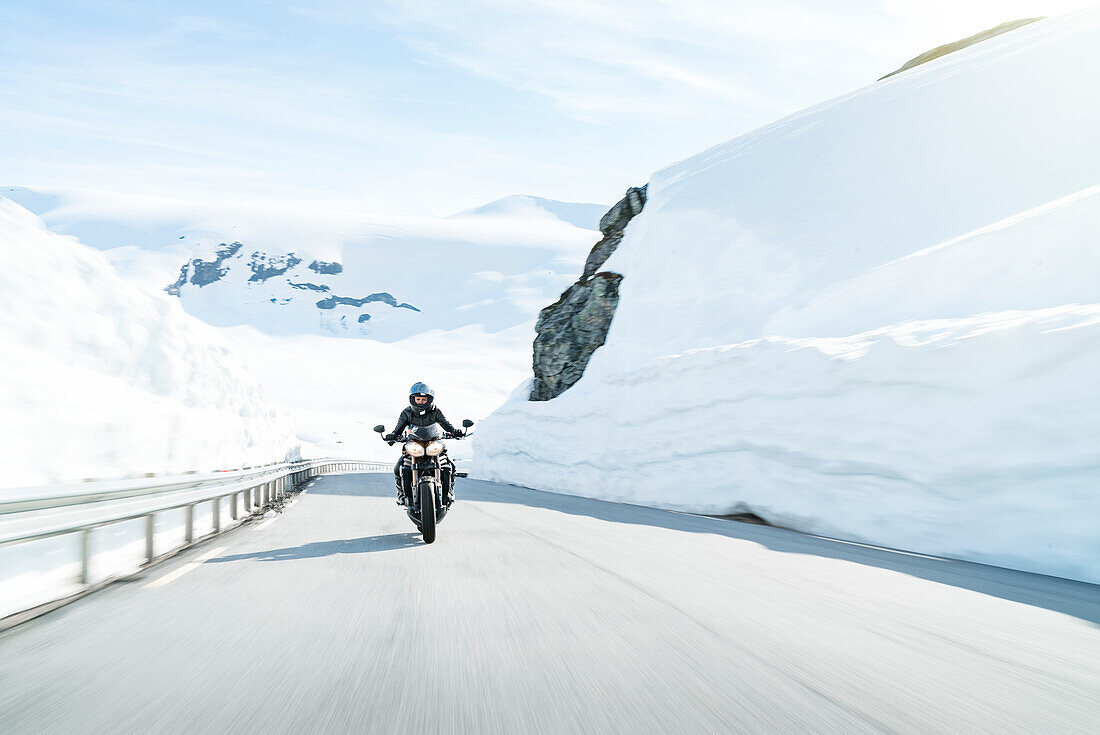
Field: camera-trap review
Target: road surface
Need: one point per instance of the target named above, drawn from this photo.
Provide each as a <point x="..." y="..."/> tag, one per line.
<point x="542" y="613"/>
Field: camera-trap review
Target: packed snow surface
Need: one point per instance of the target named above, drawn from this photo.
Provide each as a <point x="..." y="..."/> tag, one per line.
<point x="105" y="379"/>
<point x="877" y="319"/>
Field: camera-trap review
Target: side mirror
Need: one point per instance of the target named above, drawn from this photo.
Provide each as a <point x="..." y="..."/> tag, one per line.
<point x="466" y="423"/>
<point x="380" y="429"/>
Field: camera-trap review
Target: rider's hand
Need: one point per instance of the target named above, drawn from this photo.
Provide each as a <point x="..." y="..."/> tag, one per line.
<point x="459" y="433"/>
<point x="391" y="438"/>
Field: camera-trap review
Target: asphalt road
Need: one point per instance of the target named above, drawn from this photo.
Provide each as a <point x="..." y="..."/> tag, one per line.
<point x="541" y="613"/>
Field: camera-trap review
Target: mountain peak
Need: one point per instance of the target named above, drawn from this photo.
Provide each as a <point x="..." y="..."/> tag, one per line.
<point x="525" y="206"/>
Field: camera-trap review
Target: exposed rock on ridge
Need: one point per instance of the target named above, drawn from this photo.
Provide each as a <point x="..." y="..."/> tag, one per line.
<point x="959" y="45"/>
<point x="205" y="272"/>
<point x="266" y="266"/>
<point x="612" y="225"/>
<point x="572" y="328"/>
<point x="333" y="301"/>
<point x="277" y="279"/>
<point x="325" y="268"/>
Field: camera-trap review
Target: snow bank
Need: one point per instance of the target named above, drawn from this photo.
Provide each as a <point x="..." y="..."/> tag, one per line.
<point x="877" y="319"/>
<point x="104" y="379"/>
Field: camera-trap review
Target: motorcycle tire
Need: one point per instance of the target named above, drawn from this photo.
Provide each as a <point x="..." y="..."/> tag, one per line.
<point x="427" y="511"/>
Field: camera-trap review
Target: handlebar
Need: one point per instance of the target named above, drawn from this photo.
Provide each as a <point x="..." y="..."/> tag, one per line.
<point x="446" y="435"/>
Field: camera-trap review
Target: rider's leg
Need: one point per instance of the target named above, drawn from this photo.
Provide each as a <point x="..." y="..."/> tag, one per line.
<point x="397" y="481"/>
<point x="447" y="472"/>
<point x="407" y="479"/>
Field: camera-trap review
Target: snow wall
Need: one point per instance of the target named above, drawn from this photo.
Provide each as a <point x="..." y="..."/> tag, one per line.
<point x="104" y="379"/>
<point x="877" y="319"/>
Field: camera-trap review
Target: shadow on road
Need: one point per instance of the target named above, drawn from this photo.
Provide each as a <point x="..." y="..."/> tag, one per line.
<point x="1079" y="599"/>
<point x="366" y="545"/>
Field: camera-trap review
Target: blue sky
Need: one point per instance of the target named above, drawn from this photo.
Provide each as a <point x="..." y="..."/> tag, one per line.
<point x="427" y="107"/>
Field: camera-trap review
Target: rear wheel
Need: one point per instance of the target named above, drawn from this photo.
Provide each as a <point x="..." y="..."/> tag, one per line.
<point x="427" y="511"/>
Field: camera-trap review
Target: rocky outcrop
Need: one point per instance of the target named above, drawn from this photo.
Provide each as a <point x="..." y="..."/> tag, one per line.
<point x="948" y="48"/>
<point x="569" y="331"/>
<point x="325" y="268"/>
<point x="575" y="326"/>
<point x="204" y="272"/>
<point x="309" y="286"/>
<point x="266" y="266"/>
<point x="333" y="301"/>
<point x="611" y="226"/>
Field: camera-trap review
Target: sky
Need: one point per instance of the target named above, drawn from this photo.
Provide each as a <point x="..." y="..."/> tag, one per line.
<point x="427" y="107"/>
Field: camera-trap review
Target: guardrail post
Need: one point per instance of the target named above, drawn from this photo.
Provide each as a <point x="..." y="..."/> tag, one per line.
<point x="85" y="555"/>
<point x="217" y="512"/>
<point x="189" y="525"/>
<point x="233" y="506"/>
<point x="150" y="531"/>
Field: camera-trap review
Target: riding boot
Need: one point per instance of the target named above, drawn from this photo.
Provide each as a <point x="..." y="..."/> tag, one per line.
<point x="400" y="489"/>
<point x="449" y="482"/>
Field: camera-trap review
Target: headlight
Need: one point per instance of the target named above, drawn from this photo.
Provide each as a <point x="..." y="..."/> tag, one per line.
<point x="435" y="448"/>
<point x="414" y="449"/>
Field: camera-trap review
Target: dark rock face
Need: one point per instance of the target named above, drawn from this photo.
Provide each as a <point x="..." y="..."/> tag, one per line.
<point x="948" y="48"/>
<point x="205" y="272"/>
<point x="364" y="318"/>
<point x="333" y="301"/>
<point x="612" y="225"/>
<point x="569" y="331"/>
<point x="267" y="266"/>
<point x="325" y="268"/>
<point x="575" y="326"/>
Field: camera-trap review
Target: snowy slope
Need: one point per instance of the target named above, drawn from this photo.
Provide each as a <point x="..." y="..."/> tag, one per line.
<point x="877" y="319"/>
<point x="105" y="379"/>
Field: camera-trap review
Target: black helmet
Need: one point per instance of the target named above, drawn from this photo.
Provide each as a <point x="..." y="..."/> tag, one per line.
<point x="421" y="389"/>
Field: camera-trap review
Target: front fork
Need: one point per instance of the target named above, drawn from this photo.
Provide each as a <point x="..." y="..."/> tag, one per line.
<point x="437" y="473"/>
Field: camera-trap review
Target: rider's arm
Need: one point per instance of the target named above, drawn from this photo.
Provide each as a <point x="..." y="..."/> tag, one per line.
<point x="442" y="421"/>
<point x="402" y="422"/>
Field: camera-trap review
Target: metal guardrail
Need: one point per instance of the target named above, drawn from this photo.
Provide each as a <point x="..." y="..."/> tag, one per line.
<point x="25" y="514"/>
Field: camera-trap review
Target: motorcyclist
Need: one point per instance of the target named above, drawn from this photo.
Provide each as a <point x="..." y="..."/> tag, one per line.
<point x="422" y="411"/>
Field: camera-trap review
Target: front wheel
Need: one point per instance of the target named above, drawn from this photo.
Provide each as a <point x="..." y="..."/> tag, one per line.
<point x="427" y="511"/>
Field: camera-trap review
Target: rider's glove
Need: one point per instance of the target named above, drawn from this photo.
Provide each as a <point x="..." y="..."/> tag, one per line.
<point x="459" y="433"/>
<point x="391" y="438"/>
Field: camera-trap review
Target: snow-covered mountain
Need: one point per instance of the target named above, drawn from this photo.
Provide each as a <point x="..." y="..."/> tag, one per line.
<point x="519" y="206"/>
<point x="334" y="273"/>
<point x="103" y="378"/>
<point x="877" y="319"/>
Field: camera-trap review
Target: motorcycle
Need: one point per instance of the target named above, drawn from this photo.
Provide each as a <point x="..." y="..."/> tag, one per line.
<point x="422" y="452"/>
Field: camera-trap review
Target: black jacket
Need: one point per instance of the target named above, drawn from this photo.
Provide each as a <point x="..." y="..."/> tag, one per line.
<point x="409" y="417"/>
